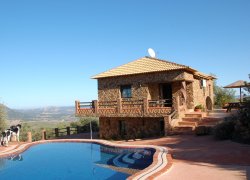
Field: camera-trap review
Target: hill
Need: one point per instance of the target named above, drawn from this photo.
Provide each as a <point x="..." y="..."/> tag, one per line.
<point x="65" y="113"/>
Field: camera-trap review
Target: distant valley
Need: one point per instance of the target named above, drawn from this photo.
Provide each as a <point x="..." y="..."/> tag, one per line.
<point x="53" y="113"/>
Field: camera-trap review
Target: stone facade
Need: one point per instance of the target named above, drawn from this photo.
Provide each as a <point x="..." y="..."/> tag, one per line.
<point x="185" y="86"/>
<point x="109" y="88"/>
<point x="135" y="127"/>
<point x="141" y="120"/>
<point x="200" y="93"/>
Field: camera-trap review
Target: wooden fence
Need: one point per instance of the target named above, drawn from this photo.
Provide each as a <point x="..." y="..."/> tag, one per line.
<point x="65" y="131"/>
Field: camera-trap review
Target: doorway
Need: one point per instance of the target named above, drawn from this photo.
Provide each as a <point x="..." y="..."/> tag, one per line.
<point x="162" y="127"/>
<point x="166" y="94"/>
<point x="122" y="128"/>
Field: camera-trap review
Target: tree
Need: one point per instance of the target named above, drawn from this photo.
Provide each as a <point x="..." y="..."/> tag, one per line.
<point x="247" y="89"/>
<point x="222" y="95"/>
<point x="3" y="117"/>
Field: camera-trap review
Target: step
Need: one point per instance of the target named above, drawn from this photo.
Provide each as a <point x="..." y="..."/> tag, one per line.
<point x="128" y="160"/>
<point x="191" y="119"/>
<point x="117" y="163"/>
<point x="210" y="119"/>
<point x="182" y="130"/>
<point x="137" y="155"/>
<point x="194" y="115"/>
<point x="208" y="124"/>
<point x="186" y="123"/>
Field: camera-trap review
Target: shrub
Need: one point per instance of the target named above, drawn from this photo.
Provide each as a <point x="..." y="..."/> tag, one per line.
<point x="242" y="127"/>
<point x="3" y="117"/>
<point x="36" y="134"/>
<point x="222" y="95"/>
<point x="224" y="130"/>
<point x="84" y="123"/>
<point x="203" y="130"/>
<point x="198" y="107"/>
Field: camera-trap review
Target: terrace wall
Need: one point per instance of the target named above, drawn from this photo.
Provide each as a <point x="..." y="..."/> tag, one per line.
<point x="136" y="127"/>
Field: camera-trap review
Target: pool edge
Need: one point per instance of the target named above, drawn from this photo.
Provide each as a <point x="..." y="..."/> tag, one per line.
<point x="162" y="160"/>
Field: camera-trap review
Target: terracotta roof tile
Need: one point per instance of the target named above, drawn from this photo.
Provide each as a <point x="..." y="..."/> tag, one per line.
<point x="142" y="65"/>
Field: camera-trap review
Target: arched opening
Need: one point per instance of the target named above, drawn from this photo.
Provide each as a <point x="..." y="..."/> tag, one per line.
<point x="209" y="103"/>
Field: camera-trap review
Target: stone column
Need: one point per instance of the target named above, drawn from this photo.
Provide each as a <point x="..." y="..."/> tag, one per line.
<point x="44" y="134"/>
<point x="119" y="105"/>
<point x="145" y="105"/>
<point x="29" y="137"/>
<point x="95" y="103"/>
<point x="77" y="107"/>
<point x="167" y="128"/>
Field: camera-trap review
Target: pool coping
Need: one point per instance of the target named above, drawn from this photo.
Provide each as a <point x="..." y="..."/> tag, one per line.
<point x="162" y="160"/>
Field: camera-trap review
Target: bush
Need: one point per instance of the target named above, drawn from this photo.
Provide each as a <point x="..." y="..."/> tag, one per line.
<point x="242" y="127"/>
<point x="3" y="117"/>
<point x="203" y="130"/>
<point x="224" y="130"/>
<point x="36" y="134"/>
<point x="222" y="95"/>
<point x="84" y="123"/>
<point x="198" y="107"/>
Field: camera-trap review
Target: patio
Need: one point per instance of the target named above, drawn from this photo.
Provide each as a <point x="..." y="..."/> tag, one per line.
<point x="203" y="158"/>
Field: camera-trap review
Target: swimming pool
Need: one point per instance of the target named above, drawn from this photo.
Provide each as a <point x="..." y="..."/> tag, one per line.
<point x="71" y="160"/>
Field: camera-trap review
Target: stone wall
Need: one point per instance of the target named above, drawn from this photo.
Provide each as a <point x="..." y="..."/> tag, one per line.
<point x="201" y="93"/>
<point x="147" y="86"/>
<point x="109" y="88"/>
<point x="135" y="127"/>
<point x="153" y="90"/>
<point x="190" y="95"/>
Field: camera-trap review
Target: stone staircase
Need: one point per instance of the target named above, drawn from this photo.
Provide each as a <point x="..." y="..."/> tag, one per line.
<point x="192" y="120"/>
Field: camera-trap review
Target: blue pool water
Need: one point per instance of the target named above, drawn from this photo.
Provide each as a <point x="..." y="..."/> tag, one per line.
<point x="74" y="161"/>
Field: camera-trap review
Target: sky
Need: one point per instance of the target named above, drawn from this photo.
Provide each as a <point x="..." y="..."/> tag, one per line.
<point x="49" y="49"/>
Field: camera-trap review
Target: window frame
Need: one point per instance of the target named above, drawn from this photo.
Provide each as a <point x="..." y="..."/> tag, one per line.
<point x="126" y="87"/>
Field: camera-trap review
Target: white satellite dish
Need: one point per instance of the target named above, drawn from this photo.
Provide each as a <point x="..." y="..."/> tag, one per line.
<point x="151" y="53"/>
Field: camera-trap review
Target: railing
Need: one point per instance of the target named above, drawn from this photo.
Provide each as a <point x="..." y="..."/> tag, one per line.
<point x="124" y="107"/>
<point x="85" y="104"/>
<point x="160" y="103"/>
<point x="57" y="132"/>
<point x="66" y="131"/>
<point x="107" y="104"/>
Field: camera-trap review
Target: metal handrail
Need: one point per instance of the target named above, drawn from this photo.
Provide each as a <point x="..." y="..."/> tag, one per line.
<point x="160" y="102"/>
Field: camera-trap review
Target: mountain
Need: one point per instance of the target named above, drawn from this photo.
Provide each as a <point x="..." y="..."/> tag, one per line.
<point x="66" y="113"/>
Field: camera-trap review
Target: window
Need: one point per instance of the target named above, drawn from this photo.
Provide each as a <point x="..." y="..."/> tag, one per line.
<point x="126" y="91"/>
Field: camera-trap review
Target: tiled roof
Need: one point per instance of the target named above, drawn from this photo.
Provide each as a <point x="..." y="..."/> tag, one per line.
<point x="143" y="65"/>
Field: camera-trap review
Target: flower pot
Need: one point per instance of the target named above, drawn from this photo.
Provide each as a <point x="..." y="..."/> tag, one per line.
<point x="197" y="110"/>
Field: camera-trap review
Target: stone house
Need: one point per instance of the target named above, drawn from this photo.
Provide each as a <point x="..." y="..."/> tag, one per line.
<point x="140" y="98"/>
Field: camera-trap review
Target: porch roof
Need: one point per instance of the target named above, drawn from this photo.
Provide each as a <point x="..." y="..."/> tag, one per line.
<point x="145" y="65"/>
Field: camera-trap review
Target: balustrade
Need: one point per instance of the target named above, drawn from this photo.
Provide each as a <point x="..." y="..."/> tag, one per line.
<point x="124" y="107"/>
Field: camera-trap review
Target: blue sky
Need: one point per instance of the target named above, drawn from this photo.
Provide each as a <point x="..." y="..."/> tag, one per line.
<point x="49" y="49"/>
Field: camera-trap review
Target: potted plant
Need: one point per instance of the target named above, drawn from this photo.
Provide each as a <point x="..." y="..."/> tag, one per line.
<point x="198" y="108"/>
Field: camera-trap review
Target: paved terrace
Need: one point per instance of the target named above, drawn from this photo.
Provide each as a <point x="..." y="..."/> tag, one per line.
<point x="203" y="158"/>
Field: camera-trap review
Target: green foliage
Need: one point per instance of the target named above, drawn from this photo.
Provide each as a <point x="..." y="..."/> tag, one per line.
<point x="242" y="126"/>
<point x="84" y="123"/>
<point x="237" y="128"/>
<point x="198" y="106"/>
<point x="224" y="130"/>
<point x="36" y="129"/>
<point x="3" y="118"/>
<point x="36" y="133"/>
<point x="223" y="96"/>
<point x="203" y="130"/>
